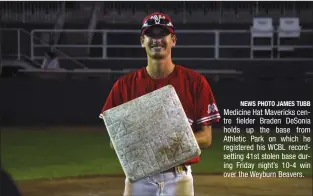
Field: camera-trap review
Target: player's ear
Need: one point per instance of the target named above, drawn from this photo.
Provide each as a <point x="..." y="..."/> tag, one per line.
<point x="174" y="39"/>
<point x="142" y="41"/>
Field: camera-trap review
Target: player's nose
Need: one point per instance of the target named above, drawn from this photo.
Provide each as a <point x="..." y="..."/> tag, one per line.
<point x="157" y="41"/>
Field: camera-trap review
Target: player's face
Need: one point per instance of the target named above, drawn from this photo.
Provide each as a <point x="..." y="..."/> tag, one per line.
<point x="158" y="42"/>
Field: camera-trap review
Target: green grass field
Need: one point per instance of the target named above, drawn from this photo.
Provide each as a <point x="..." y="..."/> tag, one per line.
<point x="29" y="154"/>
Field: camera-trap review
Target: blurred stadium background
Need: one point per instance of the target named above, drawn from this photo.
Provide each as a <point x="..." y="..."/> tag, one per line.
<point x="247" y="50"/>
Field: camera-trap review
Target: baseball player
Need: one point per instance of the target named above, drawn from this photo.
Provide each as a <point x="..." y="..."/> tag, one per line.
<point x="158" y="38"/>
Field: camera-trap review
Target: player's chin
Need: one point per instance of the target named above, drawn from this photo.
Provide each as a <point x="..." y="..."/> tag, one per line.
<point x="157" y="55"/>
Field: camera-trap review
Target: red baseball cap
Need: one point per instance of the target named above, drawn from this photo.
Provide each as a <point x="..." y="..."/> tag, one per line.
<point x="159" y="19"/>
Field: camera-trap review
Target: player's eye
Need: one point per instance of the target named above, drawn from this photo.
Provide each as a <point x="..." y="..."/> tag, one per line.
<point x="157" y="33"/>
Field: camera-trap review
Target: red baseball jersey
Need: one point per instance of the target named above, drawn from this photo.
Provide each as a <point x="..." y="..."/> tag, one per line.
<point x="191" y="87"/>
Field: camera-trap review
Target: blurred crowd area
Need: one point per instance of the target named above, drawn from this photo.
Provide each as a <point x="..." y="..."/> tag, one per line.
<point x="133" y="12"/>
<point x="76" y="31"/>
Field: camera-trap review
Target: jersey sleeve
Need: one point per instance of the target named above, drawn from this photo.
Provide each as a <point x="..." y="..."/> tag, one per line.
<point x="114" y="98"/>
<point x="206" y="108"/>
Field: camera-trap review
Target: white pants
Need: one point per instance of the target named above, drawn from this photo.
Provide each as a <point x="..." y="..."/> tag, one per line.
<point x="163" y="184"/>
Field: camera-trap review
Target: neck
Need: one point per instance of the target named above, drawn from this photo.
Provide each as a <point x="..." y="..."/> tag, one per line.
<point x="160" y="68"/>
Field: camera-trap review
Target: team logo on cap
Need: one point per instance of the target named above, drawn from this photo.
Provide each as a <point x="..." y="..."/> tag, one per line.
<point x="157" y="18"/>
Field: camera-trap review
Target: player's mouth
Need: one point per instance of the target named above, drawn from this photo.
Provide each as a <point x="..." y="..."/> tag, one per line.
<point x="157" y="47"/>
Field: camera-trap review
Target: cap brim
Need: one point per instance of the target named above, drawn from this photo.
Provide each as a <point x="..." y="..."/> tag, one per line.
<point x="170" y="29"/>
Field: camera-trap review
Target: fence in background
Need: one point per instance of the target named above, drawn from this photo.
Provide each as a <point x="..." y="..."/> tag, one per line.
<point x="122" y="49"/>
<point x="191" y="45"/>
<point x="16" y="44"/>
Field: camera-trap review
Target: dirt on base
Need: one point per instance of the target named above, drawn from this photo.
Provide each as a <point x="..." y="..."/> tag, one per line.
<point x="205" y="185"/>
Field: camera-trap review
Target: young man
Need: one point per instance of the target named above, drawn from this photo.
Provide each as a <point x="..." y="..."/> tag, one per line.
<point x="157" y="38"/>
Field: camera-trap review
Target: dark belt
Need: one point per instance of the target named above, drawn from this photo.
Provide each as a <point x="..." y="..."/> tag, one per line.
<point x="178" y="168"/>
